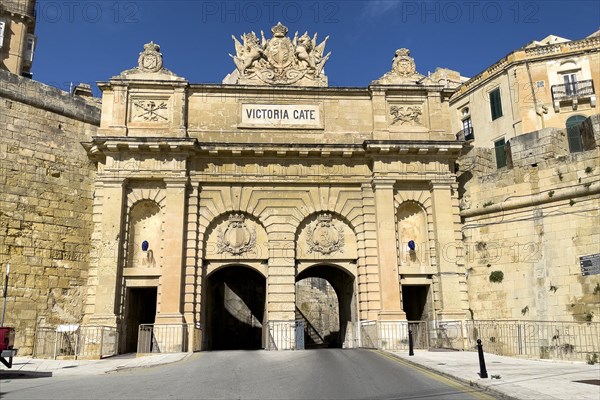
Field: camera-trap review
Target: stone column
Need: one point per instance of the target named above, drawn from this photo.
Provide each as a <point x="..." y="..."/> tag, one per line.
<point x="391" y="303"/>
<point x="107" y="254"/>
<point x="447" y="245"/>
<point x="281" y="290"/>
<point x="171" y="283"/>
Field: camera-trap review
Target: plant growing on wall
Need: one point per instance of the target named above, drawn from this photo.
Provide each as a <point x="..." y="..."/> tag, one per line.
<point x="497" y="276"/>
<point x="553" y="288"/>
<point x="588" y="170"/>
<point x="524" y="310"/>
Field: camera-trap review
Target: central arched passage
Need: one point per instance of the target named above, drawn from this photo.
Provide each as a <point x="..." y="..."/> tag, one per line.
<point x="321" y="320"/>
<point x="235" y="309"/>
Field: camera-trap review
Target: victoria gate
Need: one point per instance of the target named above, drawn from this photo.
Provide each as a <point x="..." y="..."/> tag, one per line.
<point x="221" y="210"/>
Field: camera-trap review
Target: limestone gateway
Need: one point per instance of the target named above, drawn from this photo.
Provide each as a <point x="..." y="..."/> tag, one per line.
<point x="173" y="216"/>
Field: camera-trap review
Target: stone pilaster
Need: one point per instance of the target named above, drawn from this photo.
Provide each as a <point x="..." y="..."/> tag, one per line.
<point x="107" y="254"/>
<point x="369" y="291"/>
<point x="391" y="303"/>
<point x="171" y="282"/>
<point x="281" y="282"/>
<point x="447" y="245"/>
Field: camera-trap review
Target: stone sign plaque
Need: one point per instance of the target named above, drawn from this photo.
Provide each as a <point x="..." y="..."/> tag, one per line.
<point x="281" y="116"/>
<point x="590" y="265"/>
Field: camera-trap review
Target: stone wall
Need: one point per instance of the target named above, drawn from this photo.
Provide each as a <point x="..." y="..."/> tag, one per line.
<point x="46" y="190"/>
<point x="532" y="222"/>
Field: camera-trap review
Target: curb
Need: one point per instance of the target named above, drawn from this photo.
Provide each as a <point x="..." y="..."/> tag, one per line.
<point x="127" y="368"/>
<point x="483" y="388"/>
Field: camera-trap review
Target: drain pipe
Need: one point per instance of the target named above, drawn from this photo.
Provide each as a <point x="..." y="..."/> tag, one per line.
<point x="538" y="110"/>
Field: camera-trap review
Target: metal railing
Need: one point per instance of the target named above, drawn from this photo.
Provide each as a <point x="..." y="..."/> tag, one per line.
<point x="281" y="335"/>
<point x="75" y="341"/>
<point x="536" y="339"/>
<point x="168" y="338"/>
<point x="572" y="90"/>
<point x="531" y="339"/>
<point x="393" y="335"/>
<point x="24" y="7"/>
<point x="466" y="134"/>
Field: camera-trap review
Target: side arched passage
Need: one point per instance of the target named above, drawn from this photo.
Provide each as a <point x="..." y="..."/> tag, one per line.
<point x="234" y="309"/>
<point x="343" y="284"/>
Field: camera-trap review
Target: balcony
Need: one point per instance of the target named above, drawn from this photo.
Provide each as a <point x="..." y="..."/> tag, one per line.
<point x="25" y="8"/>
<point x="573" y="92"/>
<point x="466" y="134"/>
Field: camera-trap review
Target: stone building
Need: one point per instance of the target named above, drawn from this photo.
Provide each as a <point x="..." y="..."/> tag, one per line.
<point x="529" y="185"/>
<point x="17" y="39"/>
<point x="197" y="209"/>
<point x="208" y="194"/>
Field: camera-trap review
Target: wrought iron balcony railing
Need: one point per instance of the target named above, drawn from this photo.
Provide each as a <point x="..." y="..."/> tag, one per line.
<point x="573" y="90"/>
<point x="466" y="134"/>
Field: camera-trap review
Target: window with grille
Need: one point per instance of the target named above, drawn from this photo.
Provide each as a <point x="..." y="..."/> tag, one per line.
<point x="2" y="29"/>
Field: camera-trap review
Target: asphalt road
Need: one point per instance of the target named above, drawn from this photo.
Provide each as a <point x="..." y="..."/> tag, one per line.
<point x="310" y="374"/>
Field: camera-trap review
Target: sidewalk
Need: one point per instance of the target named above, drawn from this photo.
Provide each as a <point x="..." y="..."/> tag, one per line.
<point x="42" y="367"/>
<point x="519" y="378"/>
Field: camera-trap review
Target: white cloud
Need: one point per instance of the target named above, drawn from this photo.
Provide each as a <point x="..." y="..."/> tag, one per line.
<point x="377" y="8"/>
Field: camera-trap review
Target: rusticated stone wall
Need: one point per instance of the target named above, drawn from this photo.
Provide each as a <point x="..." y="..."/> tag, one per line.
<point x="46" y="190"/>
<point x="525" y="227"/>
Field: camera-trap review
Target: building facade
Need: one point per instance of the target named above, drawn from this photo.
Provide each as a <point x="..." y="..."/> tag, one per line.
<point x="203" y="212"/>
<point x="17" y="38"/>
<point x="212" y="201"/>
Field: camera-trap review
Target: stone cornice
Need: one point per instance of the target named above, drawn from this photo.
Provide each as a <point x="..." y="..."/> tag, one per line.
<point x="521" y="56"/>
<point x="103" y="145"/>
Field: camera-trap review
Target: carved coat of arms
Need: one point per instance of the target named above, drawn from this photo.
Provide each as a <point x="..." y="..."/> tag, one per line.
<point x="236" y="238"/>
<point x="325" y="236"/>
<point x="150" y="59"/>
<point x="404" y="70"/>
<point x="280" y="60"/>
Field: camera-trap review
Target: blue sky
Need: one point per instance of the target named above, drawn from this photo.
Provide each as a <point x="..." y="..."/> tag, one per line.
<point x="90" y="41"/>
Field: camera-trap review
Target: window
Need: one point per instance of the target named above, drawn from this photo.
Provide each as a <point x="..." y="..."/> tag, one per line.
<point x="574" y="133"/>
<point x="468" y="129"/>
<point x="570" y="81"/>
<point x="2" y="28"/>
<point x="29" y="48"/>
<point x="495" y="104"/>
<point x="500" y="151"/>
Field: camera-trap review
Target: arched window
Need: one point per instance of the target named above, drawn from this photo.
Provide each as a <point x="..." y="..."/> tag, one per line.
<point x="574" y="133"/>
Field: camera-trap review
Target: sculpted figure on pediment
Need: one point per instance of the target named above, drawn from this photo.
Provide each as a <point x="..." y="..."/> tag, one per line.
<point x="279" y="60"/>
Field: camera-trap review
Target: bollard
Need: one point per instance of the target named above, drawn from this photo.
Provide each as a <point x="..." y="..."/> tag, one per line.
<point x="410" y="343"/>
<point x="482" y="370"/>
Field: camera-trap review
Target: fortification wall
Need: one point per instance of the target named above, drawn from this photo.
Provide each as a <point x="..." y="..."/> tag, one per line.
<point x="46" y="190"/>
<point x="532" y="221"/>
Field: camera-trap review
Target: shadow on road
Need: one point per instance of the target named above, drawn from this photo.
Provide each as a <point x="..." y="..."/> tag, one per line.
<point x="24" y="374"/>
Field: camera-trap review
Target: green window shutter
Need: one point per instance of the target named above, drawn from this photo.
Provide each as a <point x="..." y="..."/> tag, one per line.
<point x="500" y="153"/>
<point x="495" y="104"/>
<point x="574" y="134"/>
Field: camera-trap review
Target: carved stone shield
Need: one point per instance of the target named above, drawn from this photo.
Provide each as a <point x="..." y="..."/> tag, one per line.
<point x="237" y="238"/>
<point x="325" y="236"/>
<point x="280" y="52"/>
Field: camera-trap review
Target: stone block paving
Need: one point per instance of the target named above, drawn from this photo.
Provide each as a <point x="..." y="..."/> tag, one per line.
<point x="515" y="377"/>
